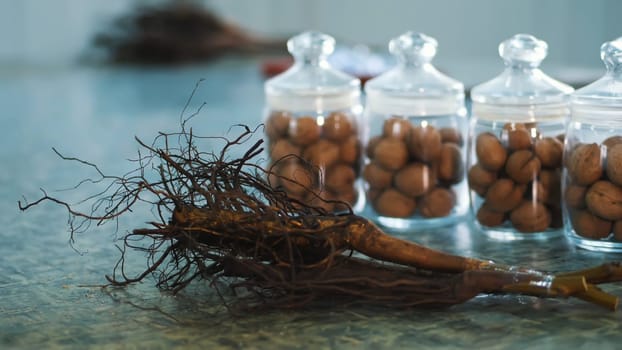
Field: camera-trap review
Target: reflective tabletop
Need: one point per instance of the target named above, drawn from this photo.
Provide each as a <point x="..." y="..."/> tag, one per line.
<point x="50" y="294"/>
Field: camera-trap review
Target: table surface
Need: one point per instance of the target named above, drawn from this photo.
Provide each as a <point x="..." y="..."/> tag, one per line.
<point x="48" y="288"/>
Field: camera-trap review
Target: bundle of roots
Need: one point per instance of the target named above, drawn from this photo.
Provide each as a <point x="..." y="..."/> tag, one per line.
<point x="221" y="220"/>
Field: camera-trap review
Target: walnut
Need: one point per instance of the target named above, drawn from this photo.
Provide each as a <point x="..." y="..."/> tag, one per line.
<point x="523" y="166"/>
<point x="518" y="138"/>
<point x="481" y="179"/>
<point x="277" y="125"/>
<point x="530" y="216"/>
<point x="415" y="179"/>
<point x="396" y="127"/>
<point x="296" y="178"/>
<point x="584" y="164"/>
<point x="376" y="176"/>
<point x="437" y="203"/>
<point x="488" y="217"/>
<point x="549" y="150"/>
<point x="391" y="153"/>
<point x="322" y="153"/>
<point x="588" y="225"/>
<point x="575" y="196"/>
<point x="424" y="143"/>
<point x="394" y="204"/>
<point x="339" y="178"/>
<point x="451" y="135"/>
<point x="504" y="195"/>
<point x="337" y="127"/>
<point x="304" y="131"/>
<point x="283" y="148"/>
<point x="450" y="164"/>
<point x="490" y="152"/>
<point x="604" y="199"/>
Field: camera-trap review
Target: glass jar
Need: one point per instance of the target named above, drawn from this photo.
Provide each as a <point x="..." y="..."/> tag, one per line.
<point x="312" y="126"/>
<point x="415" y="130"/>
<point x="516" y="145"/>
<point x="592" y="182"/>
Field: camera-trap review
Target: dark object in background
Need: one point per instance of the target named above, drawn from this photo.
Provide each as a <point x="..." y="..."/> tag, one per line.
<point x="178" y="33"/>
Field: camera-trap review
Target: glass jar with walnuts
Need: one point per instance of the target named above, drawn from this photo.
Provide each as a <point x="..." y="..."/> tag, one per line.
<point x="414" y="143"/>
<point x="312" y="127"/>
<point x="592" y="182"/>
<point x="516" y="146"/>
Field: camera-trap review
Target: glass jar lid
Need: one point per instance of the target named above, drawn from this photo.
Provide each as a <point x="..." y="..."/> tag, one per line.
<point x="311" y="84"/>
<point x="522" y="89"/>
<point x="414" y="87"/>
<point x="605" y="94"/>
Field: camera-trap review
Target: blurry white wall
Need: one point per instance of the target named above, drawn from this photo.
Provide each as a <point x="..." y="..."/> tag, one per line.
<point x="575" y="29"/>
<point x="56" y="32"/>
<point x="52" y="32"/>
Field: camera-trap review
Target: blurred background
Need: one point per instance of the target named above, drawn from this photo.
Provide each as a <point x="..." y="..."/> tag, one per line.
<point x="60" y="33"/>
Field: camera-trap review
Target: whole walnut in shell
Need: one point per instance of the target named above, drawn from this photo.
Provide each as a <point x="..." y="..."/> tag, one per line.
<point x="518" y="138"/>
<point x="504" y="195"/>
<point x="339" y="178"/>
<point x="575" y="196"/>
<point x="604" y="199"/>
<point x="337" y="127"/>
<point x="296" y="178"/>
<point x="395" y="204"/>
<point x="414" y="179"/>
<point x="437" y="203"/>
<point x="391" y="153"/>
<point x="450" y="165"/>
<point x="451" y="135"/>
<point x="491" y="154"/>
<point x="481" y="179"/>
<point x="322" y="153"/>
<point x="283" y="148"/>
<point x="488" y="217"/>
<point x="277" y="125"/>
<point x="549" y="150"/>
<point x="376" y="176"/>
<point x="523" y="166"/>
<point x="584" y="164"/>
<point x="588" y="225"/>
<point x="424" y="143"/>
<point x="371" y="146"/>
<point x="530" y="216"/>
<point x="304" y="131"/>
<point x="396" y="127"/>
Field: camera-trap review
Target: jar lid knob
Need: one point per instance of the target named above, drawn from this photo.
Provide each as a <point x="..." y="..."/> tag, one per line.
<point x="413" y="47"/>
<point x="523" y="50"/>
<point x="311" y="44"/>
<point x="611" y="54"/>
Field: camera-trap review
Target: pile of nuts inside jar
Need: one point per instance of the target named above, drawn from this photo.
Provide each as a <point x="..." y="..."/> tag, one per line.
<point x="412" y="169"/>
<point x="518" y="178"/>
<point x="323" y="158"/>
<point x="593" y="194"/>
